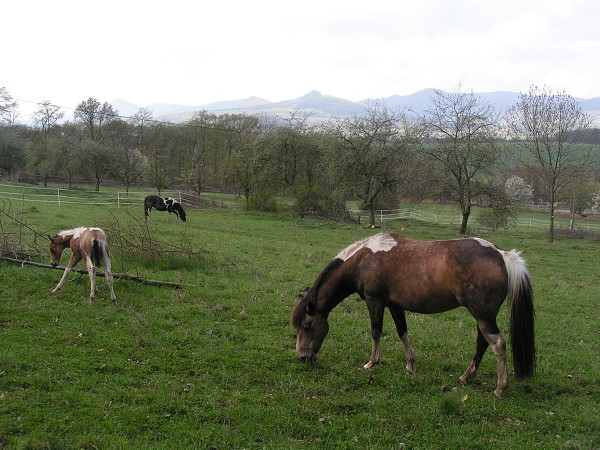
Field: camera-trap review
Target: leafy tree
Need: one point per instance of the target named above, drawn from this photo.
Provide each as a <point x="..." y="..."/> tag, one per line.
<point x="201" y="140"/>
<point x="545" y="125"/>
<point x="461" y="134"/>
<point x="42" y="159"/>
<point x="13" y="145"/>
<point x="68" y="151"/>
<point x="249" y="166"/>
<point x="99" y="159"/>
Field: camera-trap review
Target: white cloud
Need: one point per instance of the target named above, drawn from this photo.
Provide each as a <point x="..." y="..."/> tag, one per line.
<point x="199" y="52"/>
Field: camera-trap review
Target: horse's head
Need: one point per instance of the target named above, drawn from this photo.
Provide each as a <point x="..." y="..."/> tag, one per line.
<point x="311" y="328"/>
<point x="56" y="249"/>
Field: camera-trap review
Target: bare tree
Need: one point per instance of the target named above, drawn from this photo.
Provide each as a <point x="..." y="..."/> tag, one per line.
<point x="367" y="154"/>
<point x="547" y="126"/>
<point x="47" y="116"/>
<point x="8" y="107"/>
<point x="139" y="121"/>
<point x="95" y="116"/>
<point x="461" y="134"/>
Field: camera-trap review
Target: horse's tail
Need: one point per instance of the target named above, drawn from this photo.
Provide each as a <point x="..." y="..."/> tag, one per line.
<point x="177" y="207"/>
<point x="520" y="295"/>
<point x="98" y="250"/>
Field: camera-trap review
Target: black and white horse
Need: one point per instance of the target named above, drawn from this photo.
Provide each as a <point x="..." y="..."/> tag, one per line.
<point x="163" y="204"/>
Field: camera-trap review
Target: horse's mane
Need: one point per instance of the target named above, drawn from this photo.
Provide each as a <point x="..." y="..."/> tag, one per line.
<point x="311" y="297"/>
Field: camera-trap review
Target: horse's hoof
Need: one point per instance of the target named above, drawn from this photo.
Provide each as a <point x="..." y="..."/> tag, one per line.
<point x="371" y="364"/>
<point x="497" y="393"/>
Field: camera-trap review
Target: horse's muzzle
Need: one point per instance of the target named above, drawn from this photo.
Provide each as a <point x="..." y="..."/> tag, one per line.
<point x="54" y="264"/>
<point x="308" y="359"/>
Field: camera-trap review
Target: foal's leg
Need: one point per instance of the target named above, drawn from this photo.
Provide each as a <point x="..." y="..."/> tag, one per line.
<point x="400" y="321"/>
<point x="376" y="309"/>
<point x="92" y="274"/>
<point x="72" y="263"/>
<point x="109" y="277"/>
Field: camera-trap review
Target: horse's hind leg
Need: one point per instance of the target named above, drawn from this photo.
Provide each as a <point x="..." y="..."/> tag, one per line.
<point x="400" y="321"/>
<point x="109" y="278"/>
<point x="490" y="333"/>
<point x="376" y="310"/>
<point x="92" y="274"/>
<point x="482" y="346"/>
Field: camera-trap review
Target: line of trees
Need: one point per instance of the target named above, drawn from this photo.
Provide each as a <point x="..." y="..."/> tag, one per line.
<point x="461" y="149"/>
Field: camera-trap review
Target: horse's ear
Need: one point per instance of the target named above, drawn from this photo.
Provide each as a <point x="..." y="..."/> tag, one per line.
<point x="50" y="237"/>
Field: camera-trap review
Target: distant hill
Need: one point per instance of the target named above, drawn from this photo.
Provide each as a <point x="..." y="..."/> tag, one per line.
<point x="322" y="107"/>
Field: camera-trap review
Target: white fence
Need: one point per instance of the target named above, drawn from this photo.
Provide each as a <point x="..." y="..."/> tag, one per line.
<point x="62" y="196"/>
<point x="383" y="215"/>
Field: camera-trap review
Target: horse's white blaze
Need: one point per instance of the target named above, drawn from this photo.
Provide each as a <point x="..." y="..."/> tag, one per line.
<point x="381" y="242"/>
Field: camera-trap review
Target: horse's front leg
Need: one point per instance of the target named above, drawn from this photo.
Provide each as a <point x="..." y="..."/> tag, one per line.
<point x="72" y="262"/>
<point x="376" y="309"/>
<point x="400" y="321"/>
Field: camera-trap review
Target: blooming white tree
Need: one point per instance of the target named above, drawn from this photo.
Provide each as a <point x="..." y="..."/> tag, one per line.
<point x="520" y="191"/>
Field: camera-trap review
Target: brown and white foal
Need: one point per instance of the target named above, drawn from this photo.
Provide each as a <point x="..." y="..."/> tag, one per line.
<point x="88" y="244"/>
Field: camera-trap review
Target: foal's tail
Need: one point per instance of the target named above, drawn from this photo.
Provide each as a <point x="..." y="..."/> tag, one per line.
<point x="98" y="252"/>
<point x="520" y="295"/>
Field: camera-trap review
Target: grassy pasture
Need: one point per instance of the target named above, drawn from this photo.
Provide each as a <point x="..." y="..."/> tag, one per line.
<point x="212" y="364"/>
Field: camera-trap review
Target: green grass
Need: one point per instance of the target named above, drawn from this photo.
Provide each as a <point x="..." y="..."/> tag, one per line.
<point x="212" y="364"/>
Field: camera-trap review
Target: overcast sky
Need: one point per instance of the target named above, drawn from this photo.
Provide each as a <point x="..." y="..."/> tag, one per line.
<point x="197" y="52"/>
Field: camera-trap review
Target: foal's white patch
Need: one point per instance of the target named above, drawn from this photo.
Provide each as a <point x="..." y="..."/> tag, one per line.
<point x="381" y="242"/>
<point x="75" y="232"/>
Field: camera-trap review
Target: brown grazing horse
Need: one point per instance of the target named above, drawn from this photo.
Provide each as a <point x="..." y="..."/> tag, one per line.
<point x="426" y="277"/>
<point x="85" y="243"/>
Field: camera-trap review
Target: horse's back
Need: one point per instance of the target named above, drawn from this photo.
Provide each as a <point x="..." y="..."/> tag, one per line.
<point x="434" y="276"/>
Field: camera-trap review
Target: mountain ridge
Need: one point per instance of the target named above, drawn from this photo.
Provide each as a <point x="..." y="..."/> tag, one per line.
<point x="322" y="107"/>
